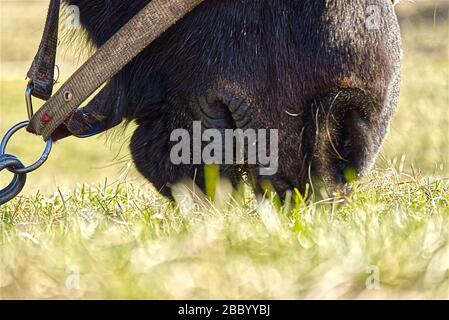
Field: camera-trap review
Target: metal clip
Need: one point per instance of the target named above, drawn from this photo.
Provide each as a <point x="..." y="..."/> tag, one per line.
<point x="29" y="100"/>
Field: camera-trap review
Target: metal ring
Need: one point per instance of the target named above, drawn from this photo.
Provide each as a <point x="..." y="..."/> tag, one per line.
<point x="16" y="186"/>
<point x="35" y="165"/>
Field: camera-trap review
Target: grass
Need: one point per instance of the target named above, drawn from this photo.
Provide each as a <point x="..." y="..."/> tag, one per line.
<point x="88" y="227"/>
<point x="126" y="242"/>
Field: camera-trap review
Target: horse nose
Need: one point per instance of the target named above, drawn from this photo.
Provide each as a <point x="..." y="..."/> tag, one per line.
<point x="343" y="142"/>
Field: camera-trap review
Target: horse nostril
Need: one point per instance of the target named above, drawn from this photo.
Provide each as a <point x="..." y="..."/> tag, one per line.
<point x="344" y="145"/>
<point x="349" y="145"/>
<point x="340" y="176"/>
<point x="346" y="149"/>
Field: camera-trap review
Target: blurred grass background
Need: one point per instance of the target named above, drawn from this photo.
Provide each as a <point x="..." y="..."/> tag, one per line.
<point x="125" y="241"/>
<point x="72" y="161"/>
<point x="420" y="130"/>
<point x="419" y="135"/>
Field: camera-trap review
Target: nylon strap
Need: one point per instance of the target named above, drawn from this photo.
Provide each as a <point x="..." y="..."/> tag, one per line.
<point x="126" y="44"/>
<point x="41" y="73"/>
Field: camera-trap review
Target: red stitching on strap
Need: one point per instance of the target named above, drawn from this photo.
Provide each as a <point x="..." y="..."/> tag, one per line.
<point x="46" y="118"/>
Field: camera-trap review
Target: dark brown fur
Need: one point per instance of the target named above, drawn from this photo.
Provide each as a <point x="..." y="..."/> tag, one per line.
<point x="310" y="68"/>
